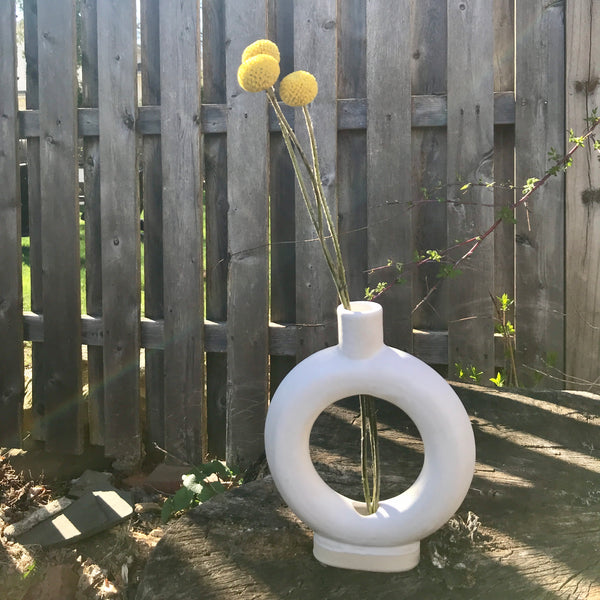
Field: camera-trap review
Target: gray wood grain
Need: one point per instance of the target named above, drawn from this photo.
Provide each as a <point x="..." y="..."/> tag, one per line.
<point x="539" y="125"/>
<point x="11" y="297"/>
<point x="470" y="138"/>
<point x="352" y="146"/>
<point x="247" y="193"/>
<point x="430" y="346"/>
<point x="151" y="198"/>
<point x="427" y="111"/>
<point x="30" y="31"/>
<point x="389" y="164"/>
<point x="182" y="229"/>
<point x="582" y="200"/>
<point x="282" y="200"/>
<point x="120" y="223"/>
<point x="93" y="240"/>
<point x="60" y="226"/>
<point x="315" y="50"/>
<point x="504" y="145"/>
<point x="429" y="41"/>
<point x="215" y="196"/>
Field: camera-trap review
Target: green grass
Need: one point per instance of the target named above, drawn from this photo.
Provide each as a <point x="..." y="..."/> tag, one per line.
<point x="25" y="245"/>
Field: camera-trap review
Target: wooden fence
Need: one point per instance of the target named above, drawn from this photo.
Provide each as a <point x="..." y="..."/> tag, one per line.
<point x="416" y="99"/>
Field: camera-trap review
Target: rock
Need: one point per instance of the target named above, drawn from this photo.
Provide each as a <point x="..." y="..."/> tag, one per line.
<point x="58" y="583"/>
<point x="166" y="478"/>
<point x="91" y="481"/>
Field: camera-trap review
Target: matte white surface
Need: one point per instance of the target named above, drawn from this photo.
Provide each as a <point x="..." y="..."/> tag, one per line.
<point x="362" y="364"/>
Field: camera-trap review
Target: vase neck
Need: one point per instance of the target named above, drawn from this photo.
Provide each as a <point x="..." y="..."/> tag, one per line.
<point x="360" y="329"/>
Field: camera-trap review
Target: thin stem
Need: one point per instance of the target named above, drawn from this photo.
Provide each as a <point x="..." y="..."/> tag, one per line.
<point x="290" y="138"/>
<point x="365" y="447"/>
<point x="323" y="203"/>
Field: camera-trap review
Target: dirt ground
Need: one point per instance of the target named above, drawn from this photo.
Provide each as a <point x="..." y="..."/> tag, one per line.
<point x="107" y="565"/>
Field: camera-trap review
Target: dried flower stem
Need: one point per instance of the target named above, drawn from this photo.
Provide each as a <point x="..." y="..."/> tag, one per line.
<point x="317" y="210"/>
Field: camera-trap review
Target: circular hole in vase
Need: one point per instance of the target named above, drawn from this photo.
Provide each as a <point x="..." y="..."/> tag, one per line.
<point x="335" y="448"/>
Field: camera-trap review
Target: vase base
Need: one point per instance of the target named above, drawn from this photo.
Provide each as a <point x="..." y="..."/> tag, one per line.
<point x="391" y="559"/>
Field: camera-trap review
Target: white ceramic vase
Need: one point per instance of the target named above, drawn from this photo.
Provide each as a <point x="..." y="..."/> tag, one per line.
<point x="344" y="535"/>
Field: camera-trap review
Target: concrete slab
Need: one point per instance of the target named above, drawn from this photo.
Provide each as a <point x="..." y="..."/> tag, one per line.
<point x="92" y="513"/>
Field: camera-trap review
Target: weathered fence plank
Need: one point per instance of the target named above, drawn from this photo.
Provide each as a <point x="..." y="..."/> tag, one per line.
<point x="182" y="228"/>
<point x="539" y="126"/>
<point x="117" y="67"/>
<point x="428" y="81"/>
<point x="30" y="35"/>
<point x="388" y="162"/>
<point x="455" y="124"/>
<point x="151" y="198"/>
<point x="282" y="200"/>
<point x="215" y="195"/>
<point x="504" y="145"/>
<point x="582" y="199"/>
<point x="247" y="193"/>
<point x="470" y="159"/>
<point x="11" y="296"/>
<point x="93" y="239"/>
<point x="60" y="226"/>
<point x="315" y="50"/>
<point x="352" y="146"/>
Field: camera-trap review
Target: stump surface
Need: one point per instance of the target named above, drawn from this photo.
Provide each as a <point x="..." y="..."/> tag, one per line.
<point x="529" y="527"/>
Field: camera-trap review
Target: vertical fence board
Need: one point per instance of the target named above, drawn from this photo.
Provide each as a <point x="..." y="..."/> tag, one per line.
<point x="429" y="52"/>
<point x="182" y="228"/>
<point x="11" y="296"/>
<point x="315" y="50"/>
<point x="35" y="214"/>
<point x="247" y="191"/>
<point x="153" y="221"/>
<point x="470" y="154"/>
<point x="504" y="142"/>
<point x="117" y="67"/>
<point x="351" y="151"/>
<point x="282" y="200"/>
<point x="93" y="242"/>
<point x="388" y="161"/>
<point x="215" y="189"/>
<point x="60" y="226"/>
<point x="539" y="125"/>
<point x="583" y="200"/>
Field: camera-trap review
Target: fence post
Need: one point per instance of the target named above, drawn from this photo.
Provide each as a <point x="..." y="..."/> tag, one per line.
<point x="540" y="252"/>
<point x="182" y="229"/>
<point x="583" y="199"/>
<point x="120" y="216"/>
<point x="470" y="135"/>
<point x="11" y="297"/>
<point x="247" y="193"/>
<point x="60" y="226"/>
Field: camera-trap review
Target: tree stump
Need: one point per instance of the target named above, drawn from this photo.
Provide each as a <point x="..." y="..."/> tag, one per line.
<point x="529" y="527"/>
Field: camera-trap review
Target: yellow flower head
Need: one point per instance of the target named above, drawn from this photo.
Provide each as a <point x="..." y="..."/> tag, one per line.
<point x="298" y="88"/>
<point x="258" y="73"/>
<point x="261" y="47"/>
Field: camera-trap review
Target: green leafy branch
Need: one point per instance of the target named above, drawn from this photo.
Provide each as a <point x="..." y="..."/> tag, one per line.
<point x="199" y="485"/>
<point x="450" y="267"/>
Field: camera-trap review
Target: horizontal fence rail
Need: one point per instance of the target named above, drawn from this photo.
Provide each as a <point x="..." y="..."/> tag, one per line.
<point x="219" y="284"/>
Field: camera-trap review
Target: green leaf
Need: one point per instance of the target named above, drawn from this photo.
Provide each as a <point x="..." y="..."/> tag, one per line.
<point x="498" y="380"/>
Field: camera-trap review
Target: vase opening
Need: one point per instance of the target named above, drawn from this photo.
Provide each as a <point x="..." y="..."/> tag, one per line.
<point x="336" y="432"/>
